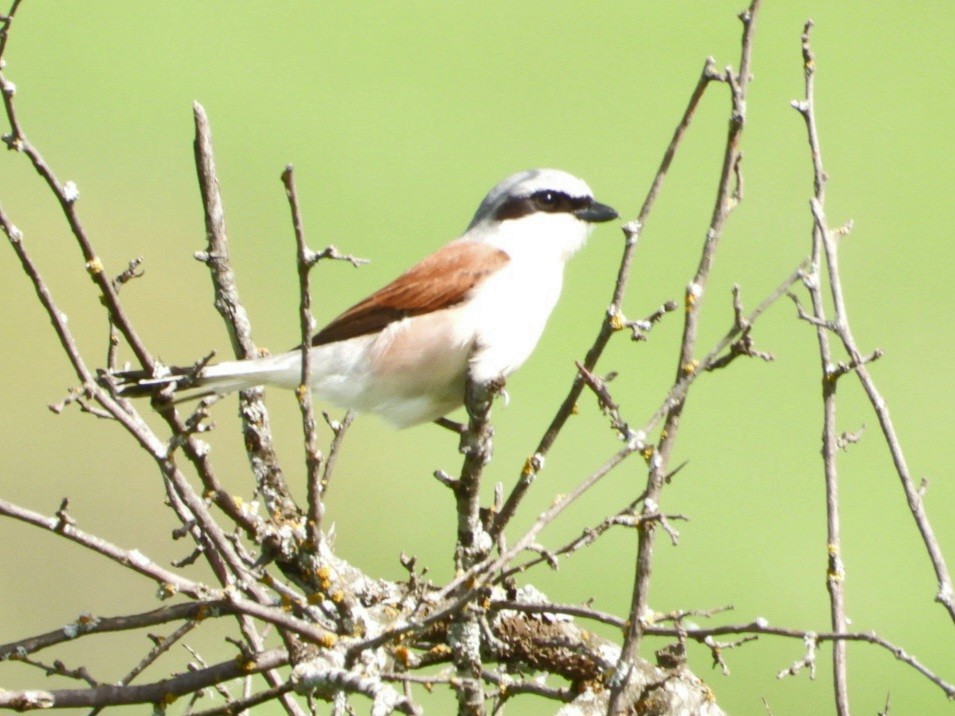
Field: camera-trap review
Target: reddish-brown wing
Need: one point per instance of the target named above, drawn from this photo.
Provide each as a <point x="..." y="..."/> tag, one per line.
<point x="438" y="281"/>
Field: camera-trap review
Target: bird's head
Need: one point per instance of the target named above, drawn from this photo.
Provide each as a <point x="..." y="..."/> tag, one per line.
<point x="540" y="213"/>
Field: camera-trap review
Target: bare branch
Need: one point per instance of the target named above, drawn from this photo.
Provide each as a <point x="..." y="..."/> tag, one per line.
<point x="240" y="705"/>
<point x="744" y="345"/>
<point x="727" y="198"/>
<point x="473" y="542"/>
<point x="5" y="21"/>
<point x="305" y="259"/>
<point x="67" y="195"/>
<point x="113" y="694"/>
<point x="256" y="428"/>
<point x="632" y="231"/>
<point x="345" y="633"/>
<point x="640" y="329"/>
<point x="169" y="582"/>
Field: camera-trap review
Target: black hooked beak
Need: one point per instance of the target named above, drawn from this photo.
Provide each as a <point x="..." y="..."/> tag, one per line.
<point x="596" y="213"/>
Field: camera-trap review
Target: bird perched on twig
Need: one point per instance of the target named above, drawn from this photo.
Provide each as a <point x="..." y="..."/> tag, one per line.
<point x="475" y="307"/>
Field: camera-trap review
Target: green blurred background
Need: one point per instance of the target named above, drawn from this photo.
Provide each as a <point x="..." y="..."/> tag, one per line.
<point x="398" y="117"/>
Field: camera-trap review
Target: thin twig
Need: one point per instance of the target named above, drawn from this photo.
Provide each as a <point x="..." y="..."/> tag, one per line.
<point x="238" y="706"/>
<point x="256" y="428"/>
<point x="128" y="274"/>
<point x="156" y="692"/>
<point x="67" y="195"/>
<point x="305" y="260"/>
<point x="462" y="588"/>
<point x="913" y="494"/>
<point x="5" y="21"/>
<point x="131" y="559"/>
<point x="727" y="198"/>
<point x="835" y="570"/>
<point x="57" y="668"/>
<point x="161" y="646"/>
<point x="339" y="428"/>
<point x="611" y="322"/>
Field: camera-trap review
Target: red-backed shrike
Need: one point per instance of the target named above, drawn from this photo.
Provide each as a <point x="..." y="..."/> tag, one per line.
<point x="478" y="304"/>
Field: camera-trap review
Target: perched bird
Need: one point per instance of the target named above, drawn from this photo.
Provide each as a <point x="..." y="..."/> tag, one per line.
<point x="478" y="304"/>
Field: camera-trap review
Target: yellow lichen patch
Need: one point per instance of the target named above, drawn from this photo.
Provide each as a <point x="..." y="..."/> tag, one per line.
<point x="618" y="321"/>
<point x="690" y="367"/>
<point x="328" y="640"/>
<point x="338" y="596"/>
<point x="647" y="453"/>
<point x="167" y="590"/>
<point x="403" y="655"/>
<point x="440" y="650"/>
<point x="324" y="582"/>
<point x="692" y="296"/>
<point x="247" y="665"/>
<point x="94" y="266"/>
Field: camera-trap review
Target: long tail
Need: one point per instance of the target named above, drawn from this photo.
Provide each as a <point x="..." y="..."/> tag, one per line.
<point x="193" y="382"/>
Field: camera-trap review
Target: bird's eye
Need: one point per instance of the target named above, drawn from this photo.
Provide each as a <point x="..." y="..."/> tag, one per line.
<point x="548" y="200"/>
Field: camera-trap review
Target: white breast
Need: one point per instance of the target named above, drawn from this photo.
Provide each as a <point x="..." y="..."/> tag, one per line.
<point x="508" y="313"/>
<point x="511" y="308"/>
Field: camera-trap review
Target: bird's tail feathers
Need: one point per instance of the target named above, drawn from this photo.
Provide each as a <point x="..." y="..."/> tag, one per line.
<point x="194" y="382"/>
